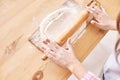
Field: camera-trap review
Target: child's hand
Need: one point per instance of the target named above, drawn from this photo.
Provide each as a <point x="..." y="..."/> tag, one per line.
<point x="61" y="56"/>
<point x="103" y="21"/>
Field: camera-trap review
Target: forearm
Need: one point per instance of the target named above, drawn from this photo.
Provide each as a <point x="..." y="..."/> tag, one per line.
<point x="80" y="72"/>
<point x="77" y="69"/>
<point x="113" y="25"/>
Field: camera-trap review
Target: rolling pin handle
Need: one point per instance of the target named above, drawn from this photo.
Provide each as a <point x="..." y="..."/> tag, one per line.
<point x="44" y="57"/>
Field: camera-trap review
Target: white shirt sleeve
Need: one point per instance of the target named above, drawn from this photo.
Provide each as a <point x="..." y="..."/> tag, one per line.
<point x="112" y="68"/>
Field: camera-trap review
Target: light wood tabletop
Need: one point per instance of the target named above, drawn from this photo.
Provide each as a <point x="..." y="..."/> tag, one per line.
<point x="19" y="59"/>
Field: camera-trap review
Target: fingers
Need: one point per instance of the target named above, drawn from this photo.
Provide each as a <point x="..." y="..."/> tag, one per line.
<point x="46" y="41"/>
<point x="102" y="9"/>
<point x="54" y="46"/>
<point x="52" y="55"/>
<point x="44" y="47"/>
<point x="97" y="9"/>
<point x="51" y="45"/>
<point x="69" y="45"/>
<point x="96" y="23"/>
<point x="94" y="9"/>
<point x="93" y="4"/>
<point x="91" y="10"/>
<point x="50" y="48"/>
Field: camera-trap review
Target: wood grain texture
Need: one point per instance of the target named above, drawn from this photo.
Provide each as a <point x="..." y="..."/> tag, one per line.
<point x="19" y="59"/>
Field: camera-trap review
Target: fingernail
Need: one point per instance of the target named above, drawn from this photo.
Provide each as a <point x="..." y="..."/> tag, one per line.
<point x="92" y="22"/>
<point x="86" y="6"/>
<point x="48" y="40"/>
<point x="45" y="42"/>
<point x="67" y="48"/>
<point x="69" y="40"/>
<point x="43" y="48"/>
<point x="51" y="50"/>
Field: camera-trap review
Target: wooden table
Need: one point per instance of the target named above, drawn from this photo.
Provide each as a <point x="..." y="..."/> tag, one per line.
<point x="19" y="59"/>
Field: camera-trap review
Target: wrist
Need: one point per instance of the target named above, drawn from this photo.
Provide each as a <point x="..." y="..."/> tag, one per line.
<point x="77" y="69"/>
<point x="73" y="65"/>
<point x="113" y="25"/>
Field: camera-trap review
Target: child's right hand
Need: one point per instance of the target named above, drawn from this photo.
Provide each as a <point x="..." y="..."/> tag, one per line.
<point x="103" y="21"/>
